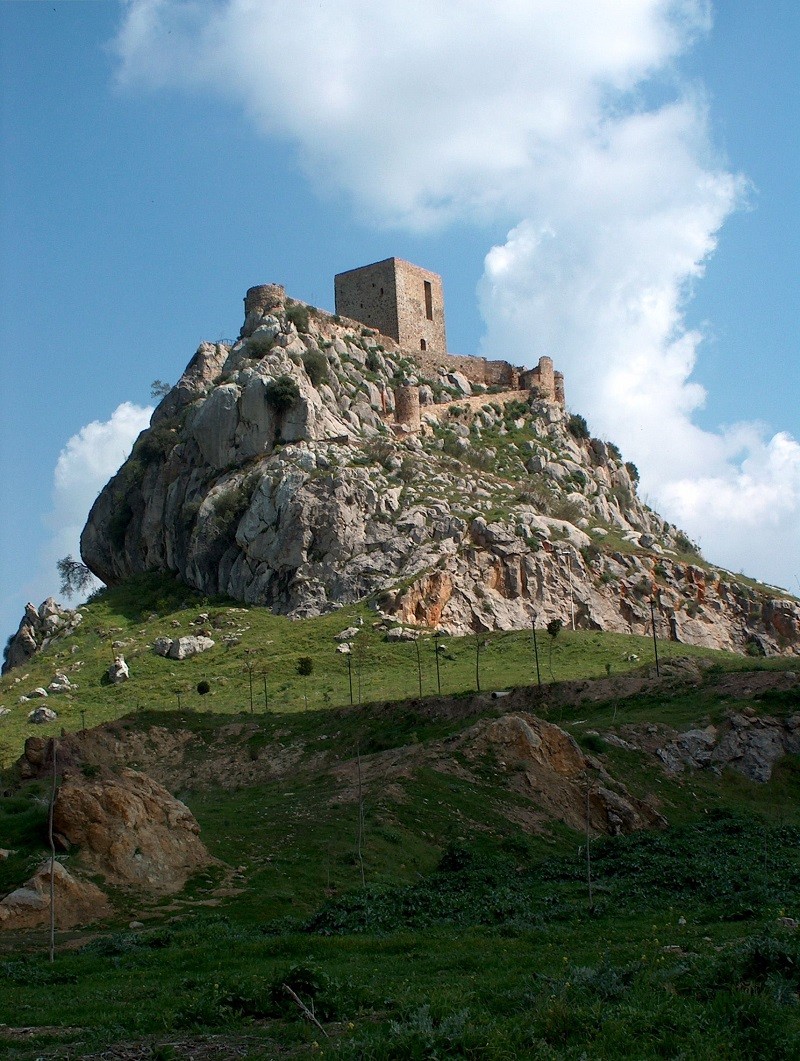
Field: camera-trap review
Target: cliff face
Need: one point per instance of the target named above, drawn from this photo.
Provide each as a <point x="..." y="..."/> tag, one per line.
<point x="274" y="472"/>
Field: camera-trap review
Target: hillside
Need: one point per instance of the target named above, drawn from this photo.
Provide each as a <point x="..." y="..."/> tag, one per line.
<point x="414" y="867"/>
<point x="289" y="469"/>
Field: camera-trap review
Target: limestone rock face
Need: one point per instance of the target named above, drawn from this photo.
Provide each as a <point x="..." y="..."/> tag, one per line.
<point x="77" y="902"/>
<point x="275" y="472"/>
<point x="37" y="629"/>
<point x="130" y="829"/>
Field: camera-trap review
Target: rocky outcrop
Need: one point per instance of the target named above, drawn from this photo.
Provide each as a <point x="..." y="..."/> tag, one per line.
<point x="130" y="829"/>
<point x="77" y="902"/>
<point x="274" y="472"/>
<point x="750" y="745"/>
<point x="37" y="629"/>
<point x="182" y="647"/>
<point x="546" y="764"/>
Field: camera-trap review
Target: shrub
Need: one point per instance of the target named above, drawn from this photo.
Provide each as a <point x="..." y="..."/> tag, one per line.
<point x="155" y="444"/>
<point x="613" y="451"/>
<point x="298" y="314"/>
<point x="684" y="544"/>
<point x="259" y="346"/>
<point x="632" y="470"/>
<point x="316" y="365"/>
<point x="566" y="510"/>
<point x="374" y="361"/>
<point x="514" y="409"/>
<point x="203" y="688"/>
<point x="305" y="666"/>
<point x="577" y="426"/>
<point x="281" y="393"/>
<point x="230" y="506"/>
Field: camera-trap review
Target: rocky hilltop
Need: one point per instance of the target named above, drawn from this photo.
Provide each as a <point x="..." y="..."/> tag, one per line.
<point x="315" y="462"/>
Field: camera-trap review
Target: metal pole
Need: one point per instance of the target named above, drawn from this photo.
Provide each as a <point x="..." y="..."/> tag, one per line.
<point x="419" y="667"/>
<point x="478" y="662"/>
<point x="350" y="675"/>
<point x="436" y="654"/>
<point x="655" y="642"/>
<point x="536" y="650"/>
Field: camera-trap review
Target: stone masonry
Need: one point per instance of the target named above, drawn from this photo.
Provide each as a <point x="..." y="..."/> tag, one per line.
<point x="398" y="299"/>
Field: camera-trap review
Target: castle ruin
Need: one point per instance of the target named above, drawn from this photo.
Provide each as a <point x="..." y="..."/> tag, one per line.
<point x="398" y="299"/>
<point x="406" y="303"/>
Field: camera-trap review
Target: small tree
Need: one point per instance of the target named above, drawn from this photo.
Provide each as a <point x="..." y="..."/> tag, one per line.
<point x="75" y="576"/>
<point x="305" y="668"/>
<point x="553" y="629"/>
<point x="159" y="389"/>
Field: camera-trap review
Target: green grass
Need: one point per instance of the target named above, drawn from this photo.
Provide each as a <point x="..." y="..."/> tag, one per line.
<point x="270" y="646"/>
<point x="453" y="931"/>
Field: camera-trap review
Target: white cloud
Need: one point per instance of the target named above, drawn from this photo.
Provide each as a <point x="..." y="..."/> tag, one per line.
<point x="84" y="466"/>
<point x="569" y="123"/>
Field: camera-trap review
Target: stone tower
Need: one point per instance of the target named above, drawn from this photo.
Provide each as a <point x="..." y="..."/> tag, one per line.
<point x="398" y="299"/>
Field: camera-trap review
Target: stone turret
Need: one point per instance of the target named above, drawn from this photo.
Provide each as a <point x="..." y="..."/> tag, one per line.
<point x="258" y="302"/>
<point x="406" y="407"/>
<point x="545" y="380"/>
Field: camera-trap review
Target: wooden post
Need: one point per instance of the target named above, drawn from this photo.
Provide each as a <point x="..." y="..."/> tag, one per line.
<point x="53" y="748"/>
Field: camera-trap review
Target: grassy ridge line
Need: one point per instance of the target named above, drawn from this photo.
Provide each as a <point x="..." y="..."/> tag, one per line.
<point x="151" y="606"/>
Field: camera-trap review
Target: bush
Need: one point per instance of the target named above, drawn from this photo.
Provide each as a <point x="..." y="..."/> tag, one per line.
<point x="684" y="544"/>
<point x="155" y="444"/>
<point x="632" y="470"/>
<point x="230" y="506"/>
<point x="374" y="361"/>
<point x="316" y="365"/>
<point x="259" y="346"/>
<point x="282" y="393"/>
<point x="203" y="688"/>
<point x="613" y="451"/>
<point x="577" y="426"/>
<point x="298" y="314"/>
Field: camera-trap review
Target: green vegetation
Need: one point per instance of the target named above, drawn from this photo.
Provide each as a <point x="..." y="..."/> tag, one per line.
<point x="316" y="366"/>
<point x="259" y="345"/>
<point x="298" y="314"/>
<point x="281" y="393"/>
<point x="577" y="426"/>
<point x="472" y="932"/>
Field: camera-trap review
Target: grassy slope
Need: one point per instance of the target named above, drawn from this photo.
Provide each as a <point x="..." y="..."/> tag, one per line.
<point x="471" y="938"/>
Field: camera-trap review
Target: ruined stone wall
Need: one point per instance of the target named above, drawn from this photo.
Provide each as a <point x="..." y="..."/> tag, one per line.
<point x="420" y="308"/>
<point x="369" y="295"/>
<point x="260" y="300"/>
<point x="476" y="369"/>
<point x="398" y="299"/>
<point x="406" y="407"/>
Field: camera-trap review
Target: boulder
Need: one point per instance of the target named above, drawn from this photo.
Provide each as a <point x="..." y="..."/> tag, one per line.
<point x="130" y="829"/>
<point x="118" y="671"/>
<point x="183" y="647"/>
<point x="41" y="715"/>
<point x="77" y="902"/>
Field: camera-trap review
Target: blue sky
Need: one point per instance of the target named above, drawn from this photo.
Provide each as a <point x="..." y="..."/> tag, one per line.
<point x="616" y="186"/>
